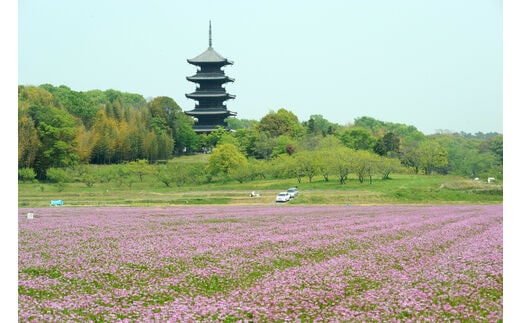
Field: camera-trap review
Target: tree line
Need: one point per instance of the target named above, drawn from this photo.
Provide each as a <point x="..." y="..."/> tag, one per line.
<point x="62" y="128"/>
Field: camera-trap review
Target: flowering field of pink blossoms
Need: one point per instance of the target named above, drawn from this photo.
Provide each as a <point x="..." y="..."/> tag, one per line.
<point x="261" y="264"/>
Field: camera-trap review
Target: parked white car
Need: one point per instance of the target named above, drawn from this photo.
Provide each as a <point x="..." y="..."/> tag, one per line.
<point x="283" y="197"/>
<point x="293" y="192"/>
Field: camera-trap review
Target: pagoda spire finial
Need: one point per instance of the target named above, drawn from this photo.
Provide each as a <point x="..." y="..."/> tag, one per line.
<point x="210" y="33"/>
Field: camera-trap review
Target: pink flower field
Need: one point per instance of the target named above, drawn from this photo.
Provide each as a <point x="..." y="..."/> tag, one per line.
<point x="261" y="264"/>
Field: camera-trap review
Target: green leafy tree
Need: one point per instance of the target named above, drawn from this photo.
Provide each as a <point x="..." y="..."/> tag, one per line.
<point x="387" y="145"/>
<point x="89" y="179"/>
<point x="132" y="100"/>
<point x="57" y="135"/>
<point x="246" y="139"/>
<point x="173" y="173"/>
<point x="309" y="142"/>
<point x="369" y="123"/>
<point x="285" y="166"/>
<point x="386" y="166"/>
<point x="259" y="168"/>
<point x="432" y="156"/>
<point x="237" y="124"/>
<point x="165" y="144"/>
<point x="342" y="162"/>
<point x="264" y="146"/>
<point x="124" y="175"/>
<point x="90" y="174"/>
<point x="410" y="156"/>
<point x="318" y="125"/>
<point x="323" y="159"/>
<point x="318" y="142"/>
<point x="379" y="147"/>
<point x="224" y="158"/>
<point x="492" y="150"/>
<point x="162" y="112"/>
<point x="325" y="151"/>
<point x="485" y="165"/>
<point x="308" y="164"/>
<point x="242" y="173"/>
<point x="33" y="95"/>
<point x="140" y="168"/>
<point x="186" y="174"/>
<point x="311" y="126"/>
<point x="186" y="140"/>
<point x="282" y="145"/>
<point x="219" y="136"/>
<point x="365" y="164"/>
<point x="282" y="122"/>
<point x="358" y="138"/>
<point x="170" y="118"/>
<point x="471" y="155"/>
<point x="496" y="145"/>
<point x="463" y="153"/>
<point x="334" y="158"/>
<point x="78" y="104"/>
<point x="407" y="134"/>
<point x="329" y="142"/>
<point x="115" y="108"/>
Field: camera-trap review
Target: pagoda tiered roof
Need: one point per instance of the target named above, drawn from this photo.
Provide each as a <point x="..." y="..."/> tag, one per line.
<point x="210" y="56"/>
<point x="200" y="77"/>
<point x="209" y="112"/>
<point x="210" y="94"/>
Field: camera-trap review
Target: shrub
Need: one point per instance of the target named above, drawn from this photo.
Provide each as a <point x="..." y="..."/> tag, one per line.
<point x="58" y="175"/>
<point x="26" y="174"/>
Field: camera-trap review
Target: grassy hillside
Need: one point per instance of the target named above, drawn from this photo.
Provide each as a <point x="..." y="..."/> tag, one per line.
<point x="400" y="189"/>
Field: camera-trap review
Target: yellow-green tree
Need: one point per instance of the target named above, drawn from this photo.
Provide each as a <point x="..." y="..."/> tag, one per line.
<point x="105" y="139"/>
<point x="33" y="95"/>
<point x="139" y="167"/>
<point x="86" y="141"/>
<point x="365" y="164"/>
<point x="27" y="141"/>
<point x="341" y="162"/>
<point x="224" y="158"/>
<point x="387" y="165"/>
<point x="308" y="163"/>
<point x="432" y="156"/>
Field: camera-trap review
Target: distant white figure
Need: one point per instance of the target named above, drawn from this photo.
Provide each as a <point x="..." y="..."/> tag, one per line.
<point x="253" y="194"/>
<point x="490" y="179"/>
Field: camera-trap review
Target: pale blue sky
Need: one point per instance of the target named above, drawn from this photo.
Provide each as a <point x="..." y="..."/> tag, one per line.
<point x="434" y="64"/>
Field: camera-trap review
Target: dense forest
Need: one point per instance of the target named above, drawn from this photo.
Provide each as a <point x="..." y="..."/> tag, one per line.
<point x="62" y="128"/>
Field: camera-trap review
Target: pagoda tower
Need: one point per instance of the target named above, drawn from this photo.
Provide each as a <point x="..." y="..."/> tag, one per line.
<point x="210" y="94"/>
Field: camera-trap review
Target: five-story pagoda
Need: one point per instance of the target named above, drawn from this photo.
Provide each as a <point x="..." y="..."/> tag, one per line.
<point x="210" y="111"/>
